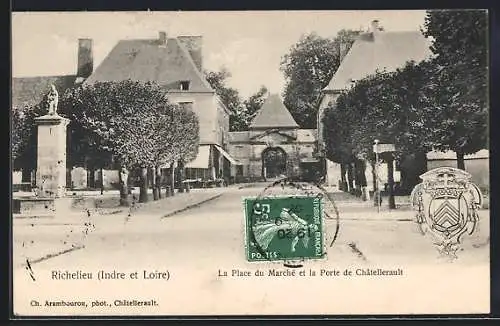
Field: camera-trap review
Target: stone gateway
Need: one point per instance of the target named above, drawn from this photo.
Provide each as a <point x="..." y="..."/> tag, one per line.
<point x="274" y="145"/>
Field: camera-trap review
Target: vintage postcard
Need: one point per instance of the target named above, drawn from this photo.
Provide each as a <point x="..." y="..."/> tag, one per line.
<point x="250" y="163"/>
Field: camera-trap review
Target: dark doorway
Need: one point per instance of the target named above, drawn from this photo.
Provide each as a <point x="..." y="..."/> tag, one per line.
<point x="273" y="162"/>
<point x="310" y="171"/>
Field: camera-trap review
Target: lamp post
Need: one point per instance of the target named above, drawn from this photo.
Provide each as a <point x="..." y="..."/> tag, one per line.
<point x="389" y="149"/>
<point x="390" y="180"/>
<point x="377" y="185"/>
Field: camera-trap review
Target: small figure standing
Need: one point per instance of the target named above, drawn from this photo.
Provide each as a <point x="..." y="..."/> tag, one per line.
<point x="42" y="192"/>
<point x="53" y="99"/>
<point x="123" y="176"/>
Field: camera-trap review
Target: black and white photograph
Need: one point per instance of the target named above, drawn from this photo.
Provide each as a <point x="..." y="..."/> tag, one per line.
<point x="239" y="163"/>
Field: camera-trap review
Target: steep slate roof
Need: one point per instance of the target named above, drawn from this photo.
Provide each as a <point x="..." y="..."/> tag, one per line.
<point x="32" y="89"/>
<point x="273" y="114"/>
<point x="147" y="60"/>
<point x="378" y="51"/>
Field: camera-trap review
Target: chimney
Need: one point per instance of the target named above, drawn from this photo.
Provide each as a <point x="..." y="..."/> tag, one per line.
<point x="162" y="38"/>
<point x="85" y="58"/>
<point x="194" y="44"/>
<point x="375" y="26"/>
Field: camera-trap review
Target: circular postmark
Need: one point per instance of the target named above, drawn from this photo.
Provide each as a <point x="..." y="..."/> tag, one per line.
<point x="286" y="223"/>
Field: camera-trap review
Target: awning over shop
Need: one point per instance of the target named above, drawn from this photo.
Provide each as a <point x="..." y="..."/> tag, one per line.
<point x="227" y="156"/>
<point x="202" y="159"/>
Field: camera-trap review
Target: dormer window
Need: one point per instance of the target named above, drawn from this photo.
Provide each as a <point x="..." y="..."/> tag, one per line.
<point x="184" y="86"/>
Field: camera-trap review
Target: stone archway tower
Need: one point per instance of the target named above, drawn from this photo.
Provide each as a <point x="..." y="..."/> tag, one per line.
<point x="274" y="126"/>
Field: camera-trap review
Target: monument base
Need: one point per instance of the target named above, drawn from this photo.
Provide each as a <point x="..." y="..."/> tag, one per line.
<point x="51" y="155"/>
<point x="41" y="207"/>
<point x="34" y="206"/>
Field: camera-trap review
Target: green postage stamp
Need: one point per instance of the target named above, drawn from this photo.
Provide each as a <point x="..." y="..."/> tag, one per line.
<point x="284" y="228"/>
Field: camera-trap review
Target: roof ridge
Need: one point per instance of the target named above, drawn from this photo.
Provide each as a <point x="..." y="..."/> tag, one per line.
<point x="193" y="65"/>
<point x="89" y="80"/>
<point x="281" y="114"/>
<point x="365" y="56"/>
<point x="151" y="63"/>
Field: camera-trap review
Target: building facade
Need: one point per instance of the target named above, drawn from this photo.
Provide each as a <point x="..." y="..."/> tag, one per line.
<point x="372" y="51"/>
<point x="174" y="63"/>
<point x="380" y="50"/>
<point x="274" y="145"/>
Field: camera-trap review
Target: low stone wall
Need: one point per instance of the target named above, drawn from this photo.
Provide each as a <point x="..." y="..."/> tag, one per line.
<point x="90" y="202"/>
<point x="79" y="178"/>
<point x="33" y="206"/>
<point x="17" y="177"/>
<point x="478" y="168"/>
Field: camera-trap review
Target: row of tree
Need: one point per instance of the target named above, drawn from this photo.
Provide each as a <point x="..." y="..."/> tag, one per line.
<point x="242" y="111"/>
<point x="438" y="104"/>
<point x="130" y="125"/>
<point x="307" y="67"/>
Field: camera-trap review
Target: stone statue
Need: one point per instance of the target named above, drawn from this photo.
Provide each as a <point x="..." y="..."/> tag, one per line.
<point x="53" y="99"/>
<point x="123" y="175"/>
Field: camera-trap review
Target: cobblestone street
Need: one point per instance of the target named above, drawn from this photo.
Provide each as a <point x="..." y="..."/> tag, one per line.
<point x="196" y="244"/>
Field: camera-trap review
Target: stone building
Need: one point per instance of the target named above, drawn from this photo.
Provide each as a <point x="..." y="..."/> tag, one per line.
<point x="176" y="64"/>
<point x="274" y="145"/>
<point x="380" y="50"/>
<point x="375" y="50"/>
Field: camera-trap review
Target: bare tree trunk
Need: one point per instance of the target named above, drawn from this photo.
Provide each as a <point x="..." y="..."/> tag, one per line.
<point x="158" y="181"/>
<point x="355" y="171"/>
<point x="390" y="181"/>
<point x="374" y="176"/>
<point x="101" y="177"/>
<point x="155" y="184"/>
<point x="365" y="195"/>
<point x="91" y="177"/>
<point x="343" y="182"/>
<point x="460" y="160"/>
<point x="25" y="174"/>
<point x="124" y="198"/>
<point x="350" y="177"/>
<point x="180" y="164"/>
<point x="143" y="193"/>
<point x="359" y="176"/>
<point x="376" y="195"/>
<point x="172" y="179"/>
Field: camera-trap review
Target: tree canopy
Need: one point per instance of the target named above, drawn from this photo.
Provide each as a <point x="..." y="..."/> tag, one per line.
<point x="308" y="67"/>
<point x="132" y="121"/>
<point x="229" y="96"/>
<point x="440" y="103"/>
<point x="460" y="46"/>
<point x="392" y="107"/>
<point x="24" y="136"/>
<point x="242" y="111"/>
<point x="252" y="105"/>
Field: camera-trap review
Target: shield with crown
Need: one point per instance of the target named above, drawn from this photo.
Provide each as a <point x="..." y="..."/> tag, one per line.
<point x="447" y="203"/>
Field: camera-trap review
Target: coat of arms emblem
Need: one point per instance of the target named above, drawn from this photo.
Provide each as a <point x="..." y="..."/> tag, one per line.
<point x="447" y="203"/>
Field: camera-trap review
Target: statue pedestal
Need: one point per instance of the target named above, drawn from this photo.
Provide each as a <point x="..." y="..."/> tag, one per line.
<point x="51" y="156"/>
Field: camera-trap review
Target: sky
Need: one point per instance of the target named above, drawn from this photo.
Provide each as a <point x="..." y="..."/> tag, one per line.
<point x="250" y="44"/>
